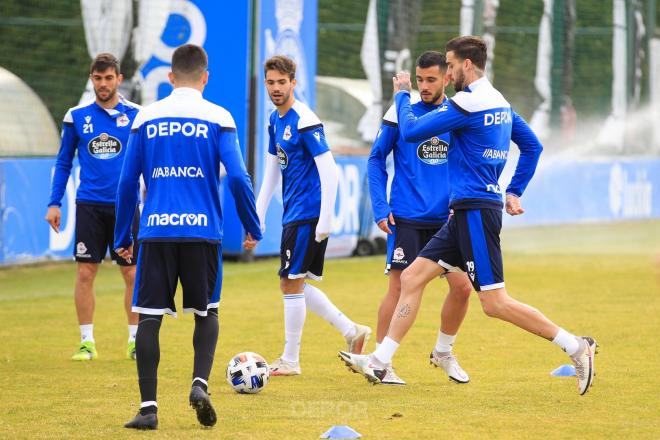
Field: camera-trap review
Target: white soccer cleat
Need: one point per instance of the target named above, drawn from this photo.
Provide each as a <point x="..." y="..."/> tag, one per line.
<point x="356" y="343"/>
<point x="391" y="378"/>
<point x="449" y="363"/>
<point x="584" y="364"/>
<point x="363" y="364"/>
<point x="281" y="367"/>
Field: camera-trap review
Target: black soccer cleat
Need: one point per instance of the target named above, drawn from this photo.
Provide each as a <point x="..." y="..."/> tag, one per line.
<point x="200" y="400"/>
<point x="143" y="421"/>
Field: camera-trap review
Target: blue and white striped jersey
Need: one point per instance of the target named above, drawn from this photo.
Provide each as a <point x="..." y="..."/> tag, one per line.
<point x="100" y="136"/>
<point x="177" y="144"/>
<point x="420" y="186"/>
<point x="296" y="139"/>
<point x="482" y="125"/>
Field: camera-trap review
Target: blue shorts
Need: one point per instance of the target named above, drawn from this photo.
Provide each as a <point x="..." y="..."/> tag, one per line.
<point x="160" y="265"/>
<point x="470" y="242"/>
<point x="405" y="243"/>
<point x="301" y="256"/>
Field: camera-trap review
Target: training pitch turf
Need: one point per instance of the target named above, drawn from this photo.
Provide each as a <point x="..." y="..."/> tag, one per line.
<point x="599" y="280"/>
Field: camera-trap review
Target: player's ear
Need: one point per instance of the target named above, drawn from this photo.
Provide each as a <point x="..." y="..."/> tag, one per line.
<point x="293" y="82"/>
<point x="171" y="78"/>
<point x="120" y="78"/>
<point x="205" y="77"/>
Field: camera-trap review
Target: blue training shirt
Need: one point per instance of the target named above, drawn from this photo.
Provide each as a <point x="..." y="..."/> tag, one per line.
<point x="420" y="187"/>
<point x="296" y="139"/>
<point x="482" y="125"/>
<point x="177" y="144"/>
<point x="100" y="136"/>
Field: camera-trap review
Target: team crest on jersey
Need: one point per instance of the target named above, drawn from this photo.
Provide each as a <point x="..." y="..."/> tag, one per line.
<point x="433" y="151"/>
<point x="282" y="158"/>
<point x="122" y="121"/>
<point x="104" y="146"/>
<point x="287" y="133"/>
<point x="398" y="256"/>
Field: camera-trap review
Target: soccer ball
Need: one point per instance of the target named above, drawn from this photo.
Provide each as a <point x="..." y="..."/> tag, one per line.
<point x="247" y="373"/>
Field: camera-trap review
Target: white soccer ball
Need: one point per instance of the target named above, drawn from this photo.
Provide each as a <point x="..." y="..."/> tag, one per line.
<point x="247" y="373"/>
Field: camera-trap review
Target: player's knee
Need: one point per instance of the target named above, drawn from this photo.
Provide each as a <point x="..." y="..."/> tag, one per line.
<point x="86" y="273"/>
<point x="491" y="306"/>
<point x="411" y="281"/>
<point x="461" y="291"/>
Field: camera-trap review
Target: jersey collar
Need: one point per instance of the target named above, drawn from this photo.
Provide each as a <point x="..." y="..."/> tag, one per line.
<point x="478" y="83"/>
<point x="186" y="91"/>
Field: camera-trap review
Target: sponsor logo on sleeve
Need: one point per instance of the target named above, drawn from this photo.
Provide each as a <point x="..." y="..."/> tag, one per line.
<point x="104" y="146"/>
<point x="282" y="158"/>
<point x="433" y="151"/>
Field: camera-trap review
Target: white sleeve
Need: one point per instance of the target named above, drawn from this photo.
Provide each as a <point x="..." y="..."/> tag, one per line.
<point x="271" y="180"/>
<point x="329" y="180"/>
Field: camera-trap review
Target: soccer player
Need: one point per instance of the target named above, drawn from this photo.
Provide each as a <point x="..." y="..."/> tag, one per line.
<point x="417" y="209"/>
<point x="177" y="145"/>
<point x="297" y="148"/>
<point x="99" y="133"/>
<point x="482" y="125"/>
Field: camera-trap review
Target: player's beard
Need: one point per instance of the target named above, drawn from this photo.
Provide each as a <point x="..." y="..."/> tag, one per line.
<point x="459" y="81"/>
<point x="434" y="98"/>
<point x="111" y="94"/>
<point x="282" y="99"/>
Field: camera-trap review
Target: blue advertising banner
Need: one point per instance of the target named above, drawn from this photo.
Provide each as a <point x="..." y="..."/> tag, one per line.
<point x="24" y="191"/>
<point x="223" y="29"/>
<point x="286" y="27"/>
<point x="567" y="191"/>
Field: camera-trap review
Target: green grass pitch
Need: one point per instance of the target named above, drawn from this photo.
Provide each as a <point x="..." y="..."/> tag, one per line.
<point x="601" y="280"/>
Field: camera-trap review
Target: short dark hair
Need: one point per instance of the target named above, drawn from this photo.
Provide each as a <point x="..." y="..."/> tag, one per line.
<point x="282" y="64"/>
<point x="470" y="48"/>
<point x="189" y="62"/>
<point x="432" y="58"/>
<point x="103" y="62"/>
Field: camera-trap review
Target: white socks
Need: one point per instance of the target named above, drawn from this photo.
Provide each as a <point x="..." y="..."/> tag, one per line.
<point x="132" y="331"/>
<point x="568" y="342"/>
<point x="444" y="343"/>
<point x="87" y="333"/>
<point x="385" y="351"/>
<point x="294" y="320"/>
<point x="319" y="303"/>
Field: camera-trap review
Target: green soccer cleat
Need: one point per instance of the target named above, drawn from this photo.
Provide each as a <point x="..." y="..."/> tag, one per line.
<point x="130" y="351"/>
<point x="86" y="352"/>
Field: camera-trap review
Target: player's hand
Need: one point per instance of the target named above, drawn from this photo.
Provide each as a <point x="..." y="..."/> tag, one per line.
<point x="53" y="217"/>
<point x="125" y="253"/>
<point x="384" y="225"/>
<point x="321" y="235"/>
<point x="249" y="243"/>
<point x="401" y="82"/>
<point x="513" y="205"/>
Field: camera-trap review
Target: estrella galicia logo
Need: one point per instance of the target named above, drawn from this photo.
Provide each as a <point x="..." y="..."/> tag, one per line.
<point x="104" y="146"/>
<point x="433" y="151"/>
<point x="282" y="158"/>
